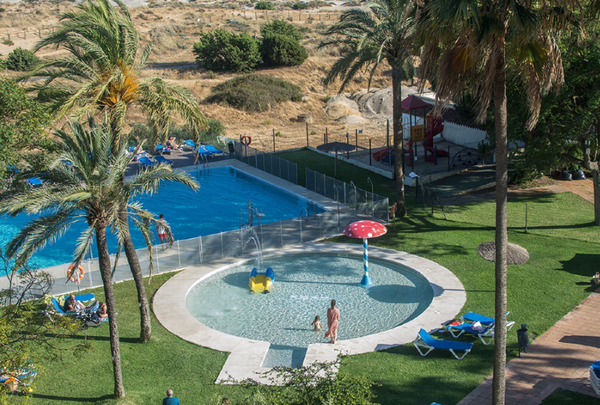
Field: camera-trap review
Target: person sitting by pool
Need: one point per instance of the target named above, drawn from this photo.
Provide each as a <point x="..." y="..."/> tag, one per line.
<point x="317" y="323"/>
<point x="172" y="144"/>
<point x="72" y="305"/>
<point x="101" y="311"/>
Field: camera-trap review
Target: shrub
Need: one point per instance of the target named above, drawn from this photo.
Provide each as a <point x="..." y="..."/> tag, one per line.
<point x="254" y="92"/>
<point x="264" y="5"/>
<point x="300" y="6"/>
<point x="214" y="129"/>
<point x="222" y="50"/>
<point x="21" y="59"/>
<point x="282" y="50"/>
<point x="280" y="27"/>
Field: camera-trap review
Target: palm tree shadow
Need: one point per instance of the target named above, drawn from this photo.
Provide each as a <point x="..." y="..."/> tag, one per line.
<point x="96" y="338"/>
<point x="62" y="399"/>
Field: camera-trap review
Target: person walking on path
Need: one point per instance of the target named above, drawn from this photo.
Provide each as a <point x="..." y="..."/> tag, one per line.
<point x="333" y="317"/>
<point x="170" y="400"/>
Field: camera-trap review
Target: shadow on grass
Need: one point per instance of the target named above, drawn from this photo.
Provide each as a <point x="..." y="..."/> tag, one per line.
<point x="62" y="399"/>
<point x="97" y="338"/>
<point x="582" y="264"/>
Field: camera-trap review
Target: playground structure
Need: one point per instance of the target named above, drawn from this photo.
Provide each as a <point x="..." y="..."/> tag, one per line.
<point x="261" y="282"/>
<point x="418" y="132"/>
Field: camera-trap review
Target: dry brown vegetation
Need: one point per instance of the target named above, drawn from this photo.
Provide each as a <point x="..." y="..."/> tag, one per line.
<point x="172" y="28"/>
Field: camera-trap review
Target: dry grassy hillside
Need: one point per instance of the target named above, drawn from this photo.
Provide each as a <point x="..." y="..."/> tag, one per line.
<point x="172" y="28"/>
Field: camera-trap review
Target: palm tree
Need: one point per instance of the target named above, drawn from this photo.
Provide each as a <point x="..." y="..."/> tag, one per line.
<point x="478" y="41"/>
<point x="101" y="75"/>
<point x="381" y="32"/>
<point x="89" y="190"/>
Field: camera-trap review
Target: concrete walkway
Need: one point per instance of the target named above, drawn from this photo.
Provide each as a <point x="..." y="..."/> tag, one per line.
<point x="560" y="358"/>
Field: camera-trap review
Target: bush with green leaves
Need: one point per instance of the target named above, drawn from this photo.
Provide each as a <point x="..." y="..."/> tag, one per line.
<point x="280" y="45"/>
<point x="300" y="6"/>
<point x="222" y="50"/>
<point x="281" y="50"/>
<point x="317" y="384"/>
<point x="264" y="5"/>
<point x="21" y="59"/>
<point x="280" y="27"/>
<point x="254" y="92"/>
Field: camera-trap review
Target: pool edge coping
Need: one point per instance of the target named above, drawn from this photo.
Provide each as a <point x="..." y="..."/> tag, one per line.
<point x="247" y="355"/>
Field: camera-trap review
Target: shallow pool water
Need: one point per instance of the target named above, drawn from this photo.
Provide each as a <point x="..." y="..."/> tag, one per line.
<point x="304" y="286"/>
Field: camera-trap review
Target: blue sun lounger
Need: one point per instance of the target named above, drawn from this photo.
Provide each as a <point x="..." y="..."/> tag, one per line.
<point x="34" y="182"/>
<point x="146" y="162"/>
<point x="482" y="319"/>
<point x="425" y="341"/>
<point x="190" y="144"/>
<point x="595" y="377"/>
<point x="213" y="150"/>
<point x="163" y="160"/>
<point x="486" y="333"/>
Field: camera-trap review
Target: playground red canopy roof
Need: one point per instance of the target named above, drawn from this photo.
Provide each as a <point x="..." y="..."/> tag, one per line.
<point x="414" y="103"/>
<point x="365" y="229"/>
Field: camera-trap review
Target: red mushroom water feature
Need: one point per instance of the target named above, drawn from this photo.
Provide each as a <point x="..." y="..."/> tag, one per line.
<point x="365" y="230"/>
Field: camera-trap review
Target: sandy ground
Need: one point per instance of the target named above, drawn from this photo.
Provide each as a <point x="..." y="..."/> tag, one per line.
<point x="172" y="28"/>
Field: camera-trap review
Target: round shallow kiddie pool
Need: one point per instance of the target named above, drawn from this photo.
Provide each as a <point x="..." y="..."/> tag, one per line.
<point x="213" y="306"/>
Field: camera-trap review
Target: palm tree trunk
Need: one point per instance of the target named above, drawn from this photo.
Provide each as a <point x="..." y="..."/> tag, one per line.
<point x="499" y="385"/>
<point x="398" y="141"/>
<point x="596" y="182"/>
<point x="138" y="277"/>
<point x="105" y="271"/>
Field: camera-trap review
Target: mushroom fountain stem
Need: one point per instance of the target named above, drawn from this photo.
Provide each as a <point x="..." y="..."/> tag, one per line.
<point x="366" y="280"/>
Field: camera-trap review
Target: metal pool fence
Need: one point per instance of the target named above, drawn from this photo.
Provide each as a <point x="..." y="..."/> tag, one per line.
<point x="266" y="162"/>
<point x="241" y="243"/>
<point x="361" y="200"/>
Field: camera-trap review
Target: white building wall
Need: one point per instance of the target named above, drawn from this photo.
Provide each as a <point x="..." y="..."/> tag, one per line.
<point x="463" y="136"/>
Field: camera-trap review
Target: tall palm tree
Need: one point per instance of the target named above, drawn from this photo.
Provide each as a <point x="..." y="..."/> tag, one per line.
<point x="89" y="190"/>
<point x="382" y="31"/>
<point x="101" y="75"/>
<point x="477" y="41"/>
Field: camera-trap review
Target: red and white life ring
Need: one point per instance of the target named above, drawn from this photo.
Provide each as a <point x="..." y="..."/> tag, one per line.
<point x="245" y="140"/>
<point x="71" y="274"/>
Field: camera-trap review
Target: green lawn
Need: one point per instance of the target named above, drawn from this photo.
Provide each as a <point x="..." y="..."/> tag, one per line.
<point x="561" y="397"/>
<point x="564" y="255"/>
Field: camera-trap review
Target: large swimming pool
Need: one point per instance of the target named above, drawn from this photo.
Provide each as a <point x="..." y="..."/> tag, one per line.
<point x="218" y="206"/>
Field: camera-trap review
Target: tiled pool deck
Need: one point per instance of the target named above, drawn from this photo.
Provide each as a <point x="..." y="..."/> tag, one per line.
<point x="246" y="358"/>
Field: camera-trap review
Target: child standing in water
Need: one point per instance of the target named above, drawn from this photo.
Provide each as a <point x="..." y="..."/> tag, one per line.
<point x="316" y="323"/>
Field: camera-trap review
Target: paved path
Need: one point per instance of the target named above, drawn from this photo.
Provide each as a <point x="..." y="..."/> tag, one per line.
<point x="559" y="358"/>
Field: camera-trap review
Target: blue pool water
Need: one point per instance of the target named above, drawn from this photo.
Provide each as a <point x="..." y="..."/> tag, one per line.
<point x="214" y="208"/>
<point x="304" y="287"/>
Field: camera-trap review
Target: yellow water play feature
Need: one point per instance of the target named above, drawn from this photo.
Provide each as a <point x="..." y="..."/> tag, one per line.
<point x="261" y="282"/>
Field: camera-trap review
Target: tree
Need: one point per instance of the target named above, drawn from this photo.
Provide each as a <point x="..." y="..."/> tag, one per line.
<point x="281" y="50"/>
<point x="281" y="44"/>
<point x="21" y="59"/>
<point x="280" y="27"/>
<point x="24" y="329"/>
<point x="381" y="32"/>
<point x="22" y="124"/>
<point x="90" y="190"/>
<point x="102" y="75"/>
<point x="222" y="50"/>
<point x="478" y="41"/>
<point x="568" y="131"/>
